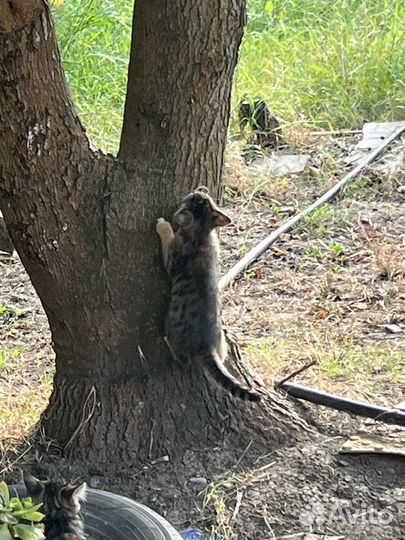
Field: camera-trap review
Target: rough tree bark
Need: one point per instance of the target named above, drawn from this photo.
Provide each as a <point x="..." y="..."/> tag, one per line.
<point x="83" y="222"/>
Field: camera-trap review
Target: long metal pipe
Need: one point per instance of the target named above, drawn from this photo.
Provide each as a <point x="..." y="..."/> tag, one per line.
<point x="255" y="252"/>
<point x="383" y="414"/>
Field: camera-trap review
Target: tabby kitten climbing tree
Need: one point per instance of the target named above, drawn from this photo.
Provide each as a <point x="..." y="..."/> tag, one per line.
<point x="190" y="255"/>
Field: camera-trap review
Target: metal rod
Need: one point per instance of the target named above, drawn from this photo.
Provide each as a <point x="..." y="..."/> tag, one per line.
<point x="336" y="133"/>
<point x="383" y="414"/>
<point x="255" y="252"/>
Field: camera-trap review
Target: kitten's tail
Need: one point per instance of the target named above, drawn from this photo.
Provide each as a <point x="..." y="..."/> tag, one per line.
<point x="229" y="382"/>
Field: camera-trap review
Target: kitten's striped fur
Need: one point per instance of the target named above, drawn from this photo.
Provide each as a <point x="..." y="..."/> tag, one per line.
<point x="190" y="255"/>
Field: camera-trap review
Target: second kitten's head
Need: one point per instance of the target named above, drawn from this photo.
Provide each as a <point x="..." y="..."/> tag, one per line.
<point x="198" y="211"/>
<point x="55" y="496"/>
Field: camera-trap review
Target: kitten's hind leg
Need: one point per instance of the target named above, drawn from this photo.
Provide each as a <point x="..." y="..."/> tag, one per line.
<point x="166" y="234"/>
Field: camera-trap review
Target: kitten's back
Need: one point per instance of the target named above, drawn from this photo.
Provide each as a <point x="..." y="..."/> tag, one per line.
<point x="193" y="323"/>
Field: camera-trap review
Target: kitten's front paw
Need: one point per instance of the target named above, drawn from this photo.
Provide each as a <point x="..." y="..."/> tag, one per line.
<point x="163" y="227"/>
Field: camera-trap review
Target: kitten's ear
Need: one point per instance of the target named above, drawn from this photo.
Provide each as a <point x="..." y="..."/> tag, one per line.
<point x="74" y="493"/>
<point x="218" y="219"/>
<point x="80" y="491"/>
<point x="184" y="218"/>
<point x="35" y="487"/>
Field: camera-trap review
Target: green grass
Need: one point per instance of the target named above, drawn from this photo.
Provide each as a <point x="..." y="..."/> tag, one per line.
<point x="9" y="314"/>
<point x="324" y="63"/>
<point x="370" y="365"/>
<point x="381" y="360"/>
<point x="215" y="498"/>
<point x="330" y="63"/>
<point x="3" y="359"/>
<point x="324" y="222"/>
<point x="94" y="38"/>
<point x="315" y="224"/>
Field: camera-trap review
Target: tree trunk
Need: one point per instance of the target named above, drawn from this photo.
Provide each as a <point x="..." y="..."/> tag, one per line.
<point x="83" y="222"/>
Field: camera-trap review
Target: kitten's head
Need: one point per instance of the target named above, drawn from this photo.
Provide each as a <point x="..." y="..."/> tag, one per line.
<point x="55" y="496"/>
<point x="198" y="210"/>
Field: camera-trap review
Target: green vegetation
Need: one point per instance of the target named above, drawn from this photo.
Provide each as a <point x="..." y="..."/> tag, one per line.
<point x="330" y="63"/>
<point x="322" y="63"/>
<point x="94" y="39"/>
<point x="315" y="224"/>
<point x="338" y="360"/>
<point x="3" y="359"/>
<point x="215" y="498"/>
<point x="324" y="222"/>
<point x="382" y="360"/>
<point x="325" y="252"/>
<point x="17" y="517"/>
<point x="9" y="314"/>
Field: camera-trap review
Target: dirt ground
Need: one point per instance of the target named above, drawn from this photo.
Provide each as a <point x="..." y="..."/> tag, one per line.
<point x="332" y="290"/>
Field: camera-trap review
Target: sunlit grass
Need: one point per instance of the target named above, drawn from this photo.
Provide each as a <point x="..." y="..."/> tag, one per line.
<point x="320" y="62"/>
<point x="339" y="362"/>
<point x="94" y="38"/>
<point x="332" y="64"/>
<point x="21" y="404"/>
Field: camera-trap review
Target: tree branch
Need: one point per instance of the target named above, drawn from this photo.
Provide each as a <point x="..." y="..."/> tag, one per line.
<point x="187" y="83"/>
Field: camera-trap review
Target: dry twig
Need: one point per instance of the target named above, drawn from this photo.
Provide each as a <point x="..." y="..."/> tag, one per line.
<point x="295" y="373"/>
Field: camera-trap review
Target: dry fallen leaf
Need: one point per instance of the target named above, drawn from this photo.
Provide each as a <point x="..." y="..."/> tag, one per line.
<point x="259" y="272"/>
<point x="278" y="252"/>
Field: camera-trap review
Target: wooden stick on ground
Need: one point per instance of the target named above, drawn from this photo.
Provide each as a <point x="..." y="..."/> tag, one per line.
<point x="295" y="373"/>
<point x="254" y="253"/>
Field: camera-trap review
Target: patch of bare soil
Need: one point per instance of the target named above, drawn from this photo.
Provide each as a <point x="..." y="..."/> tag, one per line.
<point x="241" y="493"/>
<point x="331" y="290"/>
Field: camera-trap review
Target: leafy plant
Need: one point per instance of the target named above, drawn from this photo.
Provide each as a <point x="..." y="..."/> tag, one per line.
<point x="316" y="222"/>
<point x="17" y="517"/>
